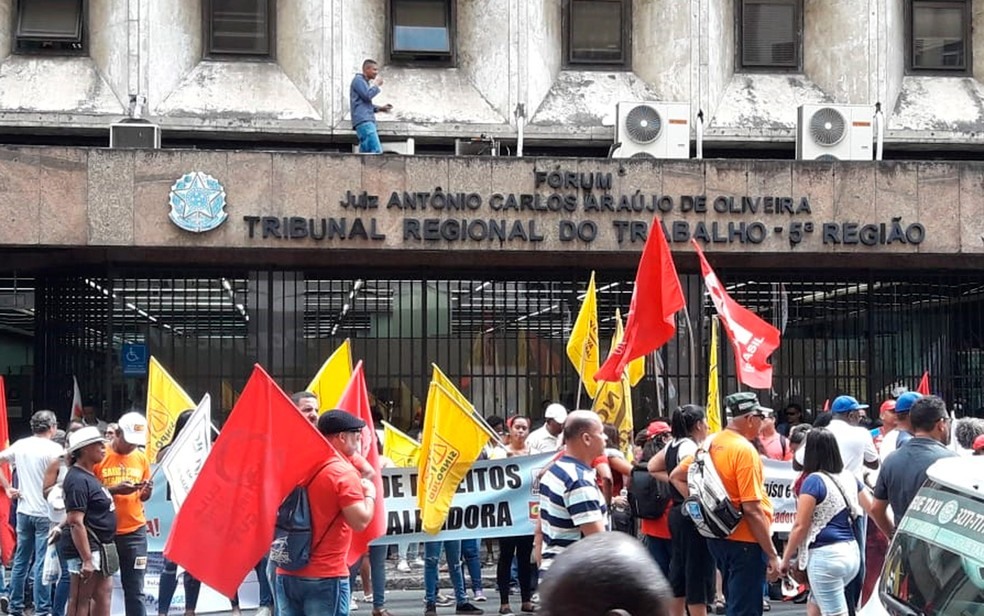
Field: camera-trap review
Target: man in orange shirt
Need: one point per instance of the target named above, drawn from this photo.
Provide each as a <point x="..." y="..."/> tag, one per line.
<point x="747" y="554"/>
<point x="125" y="471"/>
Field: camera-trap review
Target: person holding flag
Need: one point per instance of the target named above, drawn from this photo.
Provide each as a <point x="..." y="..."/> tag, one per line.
<point x="341" y="502"/>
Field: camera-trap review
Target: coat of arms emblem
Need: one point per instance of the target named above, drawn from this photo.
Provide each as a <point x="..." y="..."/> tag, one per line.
<point x="197" y="202"/>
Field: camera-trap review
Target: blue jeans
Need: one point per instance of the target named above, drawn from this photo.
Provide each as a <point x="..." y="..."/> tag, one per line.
<point x="32" y="539"/>
<point x="831" y="569"/>
<point x="266" y="592"/>
<point x="300" y="596"/>
<point x="432" y="556"/>
<point x="62" y="587"/>
<point x="132" y="548"/>
<point x="742" y="566"/>
<point x="169" y="583"/>
<point x="661" y="551"/>
<point x="470" y="549"/>
<point x="377" y="571"/>
<point x="368" y="138"/>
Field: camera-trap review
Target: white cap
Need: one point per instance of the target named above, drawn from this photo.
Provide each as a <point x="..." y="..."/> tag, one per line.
<point x="133" y="427"/>
<point x="556" y="412"/>
<point x="84" y="437"/>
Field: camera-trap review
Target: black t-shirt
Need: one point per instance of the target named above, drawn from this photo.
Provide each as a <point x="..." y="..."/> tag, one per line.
<point x="84" y="493"/>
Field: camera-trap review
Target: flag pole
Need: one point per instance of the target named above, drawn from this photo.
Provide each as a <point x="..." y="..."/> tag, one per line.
<point x="580" y="372"/>
<point x="693" y="359"/>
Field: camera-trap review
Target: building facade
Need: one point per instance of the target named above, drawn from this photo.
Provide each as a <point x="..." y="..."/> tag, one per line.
<point x="472" y="262"/>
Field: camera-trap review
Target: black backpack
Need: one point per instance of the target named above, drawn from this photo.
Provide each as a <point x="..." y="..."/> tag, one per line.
<point x="648" y="496"/>
<point x="292" y="546"/>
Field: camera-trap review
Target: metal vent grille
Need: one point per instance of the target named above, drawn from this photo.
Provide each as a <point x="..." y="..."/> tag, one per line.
<point x="643" y="124"/>
<point x="827" y="126"/>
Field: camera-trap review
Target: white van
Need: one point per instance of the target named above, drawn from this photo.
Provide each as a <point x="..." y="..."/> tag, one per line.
<point x="935" y="564"/>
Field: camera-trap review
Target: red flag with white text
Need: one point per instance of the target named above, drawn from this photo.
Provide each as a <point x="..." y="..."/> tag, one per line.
<point x="656" y="299"/>
<point x="752" y="338"/>
<point x="355" y="400"/>
<point x="7" y="538"/>
<point x="265" y="449"/>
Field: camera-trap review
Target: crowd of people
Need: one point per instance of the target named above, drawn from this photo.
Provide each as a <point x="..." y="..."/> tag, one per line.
<point x="80" y="517"/>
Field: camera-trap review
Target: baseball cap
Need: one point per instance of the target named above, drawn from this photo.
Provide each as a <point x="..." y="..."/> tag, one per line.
<point x="556" y="412"/>
<point x="133" y="427"/>
<point x="337" y="421"/>
<point x="978" y="443"/>
<point x="655" y="428"/>
<point x="846" y="404"/>
<point x="887" y="405"/>
<point x="744" y="402"/>
<point x="84" y="437"/>
<point x="906" y="400"/>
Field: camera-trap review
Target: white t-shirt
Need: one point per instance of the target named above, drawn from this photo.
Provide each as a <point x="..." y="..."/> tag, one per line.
<point x="856" y="446"/>
<point x="32" y="456"/>
<point x="541" y="441"/>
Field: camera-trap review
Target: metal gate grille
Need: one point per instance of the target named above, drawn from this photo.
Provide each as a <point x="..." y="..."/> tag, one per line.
<point x="501" y="338"/>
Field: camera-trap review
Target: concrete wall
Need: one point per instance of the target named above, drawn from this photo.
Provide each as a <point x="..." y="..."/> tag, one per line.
<point x="509" y="52"/>
<point x="103" y="198"/>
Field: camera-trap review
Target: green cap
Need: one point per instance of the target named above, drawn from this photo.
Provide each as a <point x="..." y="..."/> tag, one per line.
<point x="744" y="402"/>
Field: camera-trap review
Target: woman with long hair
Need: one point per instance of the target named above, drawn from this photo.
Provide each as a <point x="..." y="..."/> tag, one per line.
<point x="520" y="547"/>
<point x="88" y="548"/>
<point x="822" y="538"/>
<point x="691" y="566"/>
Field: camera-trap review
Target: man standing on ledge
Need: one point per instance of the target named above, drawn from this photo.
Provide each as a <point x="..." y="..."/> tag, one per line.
<point x="365" y="87"/>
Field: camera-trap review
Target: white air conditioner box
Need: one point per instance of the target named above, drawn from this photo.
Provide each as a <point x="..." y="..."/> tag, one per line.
<point x="134" y="134"/>
<point x="652" y="129"/>
<point x="835" y="132"/>
<point x="405" y="148"/>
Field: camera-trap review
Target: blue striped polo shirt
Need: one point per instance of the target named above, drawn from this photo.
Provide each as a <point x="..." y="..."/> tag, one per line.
<point x="569" y="497"/>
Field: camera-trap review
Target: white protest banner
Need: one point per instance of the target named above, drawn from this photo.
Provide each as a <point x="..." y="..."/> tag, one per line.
<point x="497" y="498"/>
<point x="186" y="455"/>
<point x="779" y="480"/>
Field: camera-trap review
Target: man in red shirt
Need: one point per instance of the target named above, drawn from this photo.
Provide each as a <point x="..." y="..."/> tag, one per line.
<point x="340" y="502"/>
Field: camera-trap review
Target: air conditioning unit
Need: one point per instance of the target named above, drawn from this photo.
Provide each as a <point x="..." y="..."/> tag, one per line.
<point x="652" y="130"/>
<point x="406" y="148"/>
<point x="835" y="132"/>
<point x="135" y="134"/>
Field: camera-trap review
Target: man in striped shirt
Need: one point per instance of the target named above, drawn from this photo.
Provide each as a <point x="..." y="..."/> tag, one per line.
<point x="571" y="505"/>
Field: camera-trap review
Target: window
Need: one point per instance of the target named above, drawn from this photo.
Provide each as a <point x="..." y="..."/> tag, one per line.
<point x="770" y="34"/>
<point x="421" y="31"/>
<point x="598" y="32"/>
<point x="55" y="26"/>
<point x="242" y="28"/>
<point x="939" y="36"/>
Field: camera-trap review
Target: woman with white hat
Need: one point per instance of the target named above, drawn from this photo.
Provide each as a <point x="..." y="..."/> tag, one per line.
<point x="88" y="549"/>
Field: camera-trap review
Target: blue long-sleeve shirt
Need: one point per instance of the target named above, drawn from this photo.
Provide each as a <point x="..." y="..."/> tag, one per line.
<point x="361" y="94"/>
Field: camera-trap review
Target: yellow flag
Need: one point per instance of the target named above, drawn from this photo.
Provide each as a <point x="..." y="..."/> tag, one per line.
<point x="452" y="440"/>
<point x="614" y="401"/>
<point x="165" y="401"/>
<point x="713" y="395"/>
<point x="333" y="376"/>
<point x="582" y="348"/>
<point x="400" y="448"/>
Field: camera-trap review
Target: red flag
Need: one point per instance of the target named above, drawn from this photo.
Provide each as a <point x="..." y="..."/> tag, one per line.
<point x="656" y="298"/>
<point x="76" y="401"/>
<point x="826" y="405"/>
<point x="265" y="450"/>
<point x="752" y="338"/>
<point x="924" y="384"/>
<point x="7" y="538"/>
<point x="355" y="400"/>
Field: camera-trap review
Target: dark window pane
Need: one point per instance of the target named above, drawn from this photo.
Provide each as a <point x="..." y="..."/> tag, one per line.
<point x="421" y="26"/>
<point x="769" y="34"/>
<point x="50" y="20"/>
<point x="938" y="36"/>
<point x="596" y="32"/>
<point x="240" y="27"/>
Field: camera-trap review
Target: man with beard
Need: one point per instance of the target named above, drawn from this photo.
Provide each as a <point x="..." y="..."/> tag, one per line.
<point x="904" y="470"/>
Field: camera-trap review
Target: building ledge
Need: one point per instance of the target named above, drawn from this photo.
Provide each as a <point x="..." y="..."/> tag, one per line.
<point x="757" y="105"/>
<point x="48" y="84"/>
<point x="245" y="92"/>
<point x="939" y="107"/>
<point x="588" y="98"/>
<point x="422" y="96"/>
